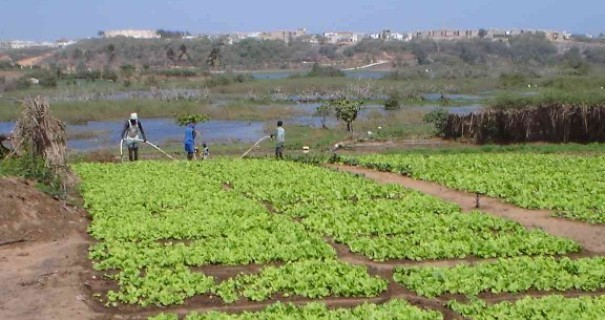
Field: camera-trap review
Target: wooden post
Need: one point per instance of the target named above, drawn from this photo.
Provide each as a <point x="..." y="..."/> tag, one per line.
<point x="477" y="200"/>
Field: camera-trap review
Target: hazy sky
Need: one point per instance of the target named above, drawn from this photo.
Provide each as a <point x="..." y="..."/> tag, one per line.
<point x="52" y="19"/>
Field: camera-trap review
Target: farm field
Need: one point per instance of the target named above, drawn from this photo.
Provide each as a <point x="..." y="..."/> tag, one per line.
<point x="182" y="239"/>
<point x="569" y="185"/>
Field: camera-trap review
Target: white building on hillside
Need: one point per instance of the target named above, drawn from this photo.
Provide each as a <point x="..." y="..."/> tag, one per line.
<point x="341" y="37"/>
<point x="132" y="33"/>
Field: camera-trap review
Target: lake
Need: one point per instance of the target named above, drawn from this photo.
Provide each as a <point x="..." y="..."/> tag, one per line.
<point x="106" y="134"/>
<point x="354" y="74"/>
<point x="159" y="131"/>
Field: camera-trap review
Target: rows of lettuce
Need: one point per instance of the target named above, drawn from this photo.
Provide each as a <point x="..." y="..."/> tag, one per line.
<point x="413" y="226"/>
<point x="383" y="222"/>
<point x="394" y="310"/>
<point x="545" y="308"/>
<point x="159" y="223"/>
<point x="518" y="276"/>
<point x="572" y="186"/>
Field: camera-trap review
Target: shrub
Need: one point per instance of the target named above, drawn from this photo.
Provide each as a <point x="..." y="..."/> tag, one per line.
<point x="319" y="71"/>
<point x="438" y="118"/>
<point x="512" y="80"/>
<point x="393" y="102"/>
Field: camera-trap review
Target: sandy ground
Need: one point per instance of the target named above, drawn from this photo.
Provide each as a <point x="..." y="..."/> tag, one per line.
<point x="43" y="249"/>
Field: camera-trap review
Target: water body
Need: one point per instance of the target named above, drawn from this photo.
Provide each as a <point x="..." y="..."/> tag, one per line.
<point x="106" y="134"/>
<point x="437" y="96"/>
<point x="159" y="131"/>
<point x="354" y="74"/>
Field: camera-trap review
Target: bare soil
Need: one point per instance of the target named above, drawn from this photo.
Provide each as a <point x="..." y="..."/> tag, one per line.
<point x="589" y="236"/>
<point x="29" y="215"/>
<point x="42" y="255"/>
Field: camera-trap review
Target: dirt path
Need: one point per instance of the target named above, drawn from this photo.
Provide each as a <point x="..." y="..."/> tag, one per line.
<point x="590" y="237"/>
<point x="28" y="62"/>
<point x="42" y="280"/>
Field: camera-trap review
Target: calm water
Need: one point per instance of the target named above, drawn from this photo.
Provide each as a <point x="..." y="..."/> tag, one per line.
<point x="158" y="131"/>
<point x="437" y="96"/>
<point x="106" y="134"/>
<point x="357" y="74"/>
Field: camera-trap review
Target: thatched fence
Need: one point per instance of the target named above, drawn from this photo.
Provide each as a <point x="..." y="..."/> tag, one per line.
<point x="38" y="134"/>
<point x="547" y="123"/>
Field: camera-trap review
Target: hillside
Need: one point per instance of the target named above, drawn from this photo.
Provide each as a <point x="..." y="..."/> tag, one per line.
<point x="253" y="54"/>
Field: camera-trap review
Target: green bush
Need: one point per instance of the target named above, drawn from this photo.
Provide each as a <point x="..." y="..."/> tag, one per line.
<point x="438" y="119"/>
<point x="319" y="71"/>
<point x="393" y="102"/>
<point x="23" y="83"/>
<point x="512" y="80"/>
<point x="48" y="80"/>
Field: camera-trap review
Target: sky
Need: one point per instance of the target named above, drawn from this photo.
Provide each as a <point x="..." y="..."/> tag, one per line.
<point x="77" y="19"/>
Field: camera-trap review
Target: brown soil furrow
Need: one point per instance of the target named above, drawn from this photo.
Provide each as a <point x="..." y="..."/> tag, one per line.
<point x="590" y="237"/>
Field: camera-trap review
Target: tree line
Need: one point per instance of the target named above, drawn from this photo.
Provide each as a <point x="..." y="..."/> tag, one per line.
<point x="258" y="54"/>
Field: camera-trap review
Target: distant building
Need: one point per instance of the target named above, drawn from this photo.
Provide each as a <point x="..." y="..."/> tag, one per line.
<point x="390" y="35"/>
<point x="345" y="37"/>
<point x="446" y="34"/>
<point x="283" y="35"/>
<point x="20" y="44"/>
<point x="63" y="43"/>
<point x="132" y="33"/>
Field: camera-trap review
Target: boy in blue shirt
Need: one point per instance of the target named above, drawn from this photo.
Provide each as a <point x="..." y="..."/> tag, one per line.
<point x="190" y="135"/>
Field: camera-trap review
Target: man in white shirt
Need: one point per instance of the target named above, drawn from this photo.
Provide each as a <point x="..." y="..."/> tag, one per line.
<point x="280" y="140"/>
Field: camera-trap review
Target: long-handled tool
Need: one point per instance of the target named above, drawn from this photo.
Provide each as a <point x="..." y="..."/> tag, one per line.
<point x="256" y="144"/>
<point x="160" y="150"/>
<point x="147" y="142"/>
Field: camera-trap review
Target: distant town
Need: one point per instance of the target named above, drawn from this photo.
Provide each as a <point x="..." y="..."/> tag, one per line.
<point x="301" y="34"/>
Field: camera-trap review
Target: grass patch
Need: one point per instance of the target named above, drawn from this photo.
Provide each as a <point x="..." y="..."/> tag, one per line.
<point x="83" y="111"/>
<point x="588" y="98"/>
<point x="32" y="168"/>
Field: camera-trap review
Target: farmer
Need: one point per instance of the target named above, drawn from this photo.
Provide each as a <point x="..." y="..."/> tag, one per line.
<point x="190" y="135"/>
<point x="130" y="133"/>
<point x="280" y="140"/>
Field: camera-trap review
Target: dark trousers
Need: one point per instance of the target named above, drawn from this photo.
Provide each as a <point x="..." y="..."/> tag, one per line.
<point x="279" y="152"/>
<point x="133" y="154"/>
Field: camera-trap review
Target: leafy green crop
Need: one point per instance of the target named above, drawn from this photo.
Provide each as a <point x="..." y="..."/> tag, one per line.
<point x="310" y="279"/>
<point x="386" y="222"/>
<point x="155" y="221"/>
<point x="393" y="310"/>
<point x="181" y="215"/>
<point x="506" y="275"/>
<point x="546" y="308"/>
<point x="572" y="186"/>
